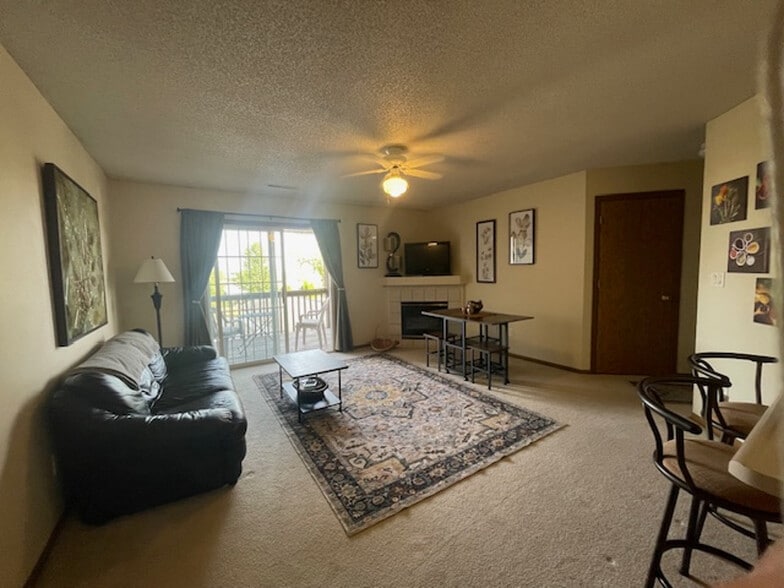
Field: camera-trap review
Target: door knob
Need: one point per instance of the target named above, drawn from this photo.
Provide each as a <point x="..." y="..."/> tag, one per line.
<point x="665" y="298"/>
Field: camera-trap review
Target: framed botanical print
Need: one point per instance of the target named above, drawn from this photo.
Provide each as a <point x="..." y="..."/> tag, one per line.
<point x="728" y="201"/>
<point x="749" y="251"/>
<point x="522" y="225"/>
<point x="73" y="236"/>
<point x="367" y="245"/>
<point x="485" y="251"/>
<point x="762" y="191"/>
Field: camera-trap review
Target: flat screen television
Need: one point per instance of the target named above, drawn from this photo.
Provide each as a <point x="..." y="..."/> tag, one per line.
<point x="427" y="259"/>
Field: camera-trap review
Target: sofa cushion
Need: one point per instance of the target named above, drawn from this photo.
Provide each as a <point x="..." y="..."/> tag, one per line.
<point x="106" y="392"/>
<point x="125" y="356"/>
<point x="193" y="381"/>
<point x="158" y="367"/>
<point x="149" y="386"/>
<point x="177" y="357"/>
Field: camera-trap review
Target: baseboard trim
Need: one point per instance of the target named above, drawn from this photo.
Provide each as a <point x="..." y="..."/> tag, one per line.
<point x="32" y="579"/>
<point x="550" y="364"/>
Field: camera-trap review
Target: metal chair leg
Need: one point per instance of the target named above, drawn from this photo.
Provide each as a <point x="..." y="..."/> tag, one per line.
<point x="692" y="535"/>
<point x="761" y="535"/>
<point x="654" y="571"/>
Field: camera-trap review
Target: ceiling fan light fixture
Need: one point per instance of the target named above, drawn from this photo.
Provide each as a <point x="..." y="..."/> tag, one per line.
<point x="394" y="185"/>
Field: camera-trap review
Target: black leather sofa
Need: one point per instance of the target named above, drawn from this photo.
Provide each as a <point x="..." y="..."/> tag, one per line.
<point x="135" y="426"/>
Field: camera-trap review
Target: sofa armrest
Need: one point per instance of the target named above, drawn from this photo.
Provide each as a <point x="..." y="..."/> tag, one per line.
<point x="180" y="356"/>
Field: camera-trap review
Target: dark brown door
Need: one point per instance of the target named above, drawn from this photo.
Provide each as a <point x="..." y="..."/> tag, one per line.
<point x="637" y="277"/>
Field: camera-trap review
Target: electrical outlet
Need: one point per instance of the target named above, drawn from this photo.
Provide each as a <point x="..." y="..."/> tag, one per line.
<point x="717" y="279"/>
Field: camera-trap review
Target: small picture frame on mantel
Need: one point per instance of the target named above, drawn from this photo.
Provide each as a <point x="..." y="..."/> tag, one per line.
<point x="367" y="245"/>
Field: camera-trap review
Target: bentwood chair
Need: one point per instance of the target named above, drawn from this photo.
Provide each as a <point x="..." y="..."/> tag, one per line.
<point x="699" y="467"/>
<point x="733" y="420"/>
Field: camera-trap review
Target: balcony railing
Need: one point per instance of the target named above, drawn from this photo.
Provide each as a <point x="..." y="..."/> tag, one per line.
<point x="252" y="327"/>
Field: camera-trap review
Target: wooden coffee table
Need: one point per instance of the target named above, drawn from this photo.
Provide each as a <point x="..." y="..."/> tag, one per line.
<point x="303" y="364"/>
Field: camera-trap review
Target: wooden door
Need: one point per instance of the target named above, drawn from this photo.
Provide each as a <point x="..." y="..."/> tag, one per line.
<point x="638" y="243"/>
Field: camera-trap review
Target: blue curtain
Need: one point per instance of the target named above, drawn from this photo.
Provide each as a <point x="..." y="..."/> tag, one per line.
<point x="328" y="238"/>
<point x="200" y="236"/>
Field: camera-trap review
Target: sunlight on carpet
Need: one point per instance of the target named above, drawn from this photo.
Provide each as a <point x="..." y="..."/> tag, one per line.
<point x="405" y="433"/>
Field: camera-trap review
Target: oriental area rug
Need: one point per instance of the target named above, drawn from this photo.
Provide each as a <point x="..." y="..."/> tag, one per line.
<point x="405" y="433"/>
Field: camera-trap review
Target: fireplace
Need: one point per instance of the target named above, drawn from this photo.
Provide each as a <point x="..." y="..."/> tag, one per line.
<point x="413" y="324"/>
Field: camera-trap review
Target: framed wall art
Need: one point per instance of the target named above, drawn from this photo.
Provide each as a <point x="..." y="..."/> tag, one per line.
<point x="75" y="257"/>
<point x="749" y="251"/>
<point x="763" y="189"/>
<point x="485" y="251"/>
<point x="521" y="237"/>
<point x="367" y="245"/>
<point x="728" y="201"/>
<point x="764" y="303"/>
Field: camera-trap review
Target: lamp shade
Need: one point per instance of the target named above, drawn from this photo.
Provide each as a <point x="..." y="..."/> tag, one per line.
<point x="153" y="270"/>
<point x="394" y="185"/>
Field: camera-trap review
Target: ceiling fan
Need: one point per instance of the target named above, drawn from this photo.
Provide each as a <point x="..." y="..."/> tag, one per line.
<point x="395" y="165"/>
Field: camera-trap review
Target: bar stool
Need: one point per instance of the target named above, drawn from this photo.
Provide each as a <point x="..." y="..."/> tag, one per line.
<point x="699" y="467"/>
<point x="437" y="338"/>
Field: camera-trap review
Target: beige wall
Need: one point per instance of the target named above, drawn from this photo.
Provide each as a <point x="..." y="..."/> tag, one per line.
<point x="30" y="135"/>
<point x="557" y="290"/>
<point x="685" y="175"/>
<point x="734" y="143"/>
<point x="145" y="223"/>
<point x="552" y="289"/>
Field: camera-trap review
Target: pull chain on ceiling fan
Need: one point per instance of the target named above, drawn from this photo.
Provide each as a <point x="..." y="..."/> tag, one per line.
<point x="395" y="165"/>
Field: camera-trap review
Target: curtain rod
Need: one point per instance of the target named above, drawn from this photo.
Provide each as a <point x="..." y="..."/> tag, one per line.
<point x="250" y="214"/>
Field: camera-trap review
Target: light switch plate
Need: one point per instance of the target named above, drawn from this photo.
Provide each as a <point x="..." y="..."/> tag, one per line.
<point x="717" y="279"/>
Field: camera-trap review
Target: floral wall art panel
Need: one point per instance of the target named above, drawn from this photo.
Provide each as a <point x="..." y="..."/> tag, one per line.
<point x="728" y="201"/>
<point x="521" y="237"/>
<point x="367" y="245"/>
<point x="485" y="251"/>
<point x="749" y="251"/>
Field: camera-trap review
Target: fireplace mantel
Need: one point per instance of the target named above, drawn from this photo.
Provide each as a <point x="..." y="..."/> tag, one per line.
<point x="414" y="281"/>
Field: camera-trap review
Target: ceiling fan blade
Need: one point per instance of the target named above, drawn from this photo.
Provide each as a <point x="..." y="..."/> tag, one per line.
<point x="420" y="173"/>
<point x="365" y="173"/>
<point x="427" y="160"/>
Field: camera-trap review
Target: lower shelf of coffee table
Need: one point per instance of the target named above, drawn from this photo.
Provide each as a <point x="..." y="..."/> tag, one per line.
<point x="329" y="399"/>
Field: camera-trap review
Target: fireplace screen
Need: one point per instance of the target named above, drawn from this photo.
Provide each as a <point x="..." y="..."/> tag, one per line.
<point x="413" y="324"/>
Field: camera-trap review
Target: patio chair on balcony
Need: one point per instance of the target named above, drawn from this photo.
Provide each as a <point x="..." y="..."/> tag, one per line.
<point x="312" y="319"/>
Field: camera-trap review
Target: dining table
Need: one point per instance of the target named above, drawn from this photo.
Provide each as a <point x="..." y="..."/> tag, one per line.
<point x="493" y="338"/>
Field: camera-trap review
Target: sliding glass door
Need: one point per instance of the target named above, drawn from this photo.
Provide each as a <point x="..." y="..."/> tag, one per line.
<point x="267" y="281"/>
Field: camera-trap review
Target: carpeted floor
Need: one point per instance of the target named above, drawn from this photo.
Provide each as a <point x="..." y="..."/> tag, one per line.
<point x="580" y="507"/>
<point x="404" y="434"/>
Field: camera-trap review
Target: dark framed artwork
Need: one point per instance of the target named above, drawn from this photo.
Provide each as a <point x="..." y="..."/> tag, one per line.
<point x="485" y="251"/>
<point x="764" y="303"/>
<point x="522" y="226"/>
<point x="75" y="259"/>
<point x="749" y="251"/>
<point x="728" y="201"/>
<point x="763" y="191"/>
<point x="367" y="245"/>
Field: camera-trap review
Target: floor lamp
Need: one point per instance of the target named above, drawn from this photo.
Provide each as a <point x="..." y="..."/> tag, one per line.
<point x="154" y="271"/>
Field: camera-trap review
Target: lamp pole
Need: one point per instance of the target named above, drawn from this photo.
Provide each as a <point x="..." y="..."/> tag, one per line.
<point x="154" y="271"/>
<point x="156" y="302"/>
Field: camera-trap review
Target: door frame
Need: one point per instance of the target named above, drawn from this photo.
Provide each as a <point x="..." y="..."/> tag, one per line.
<point x="595" y="278"/>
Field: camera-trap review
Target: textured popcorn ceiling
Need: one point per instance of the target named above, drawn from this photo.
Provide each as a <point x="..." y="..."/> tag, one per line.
<point x="246" y="94"/>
